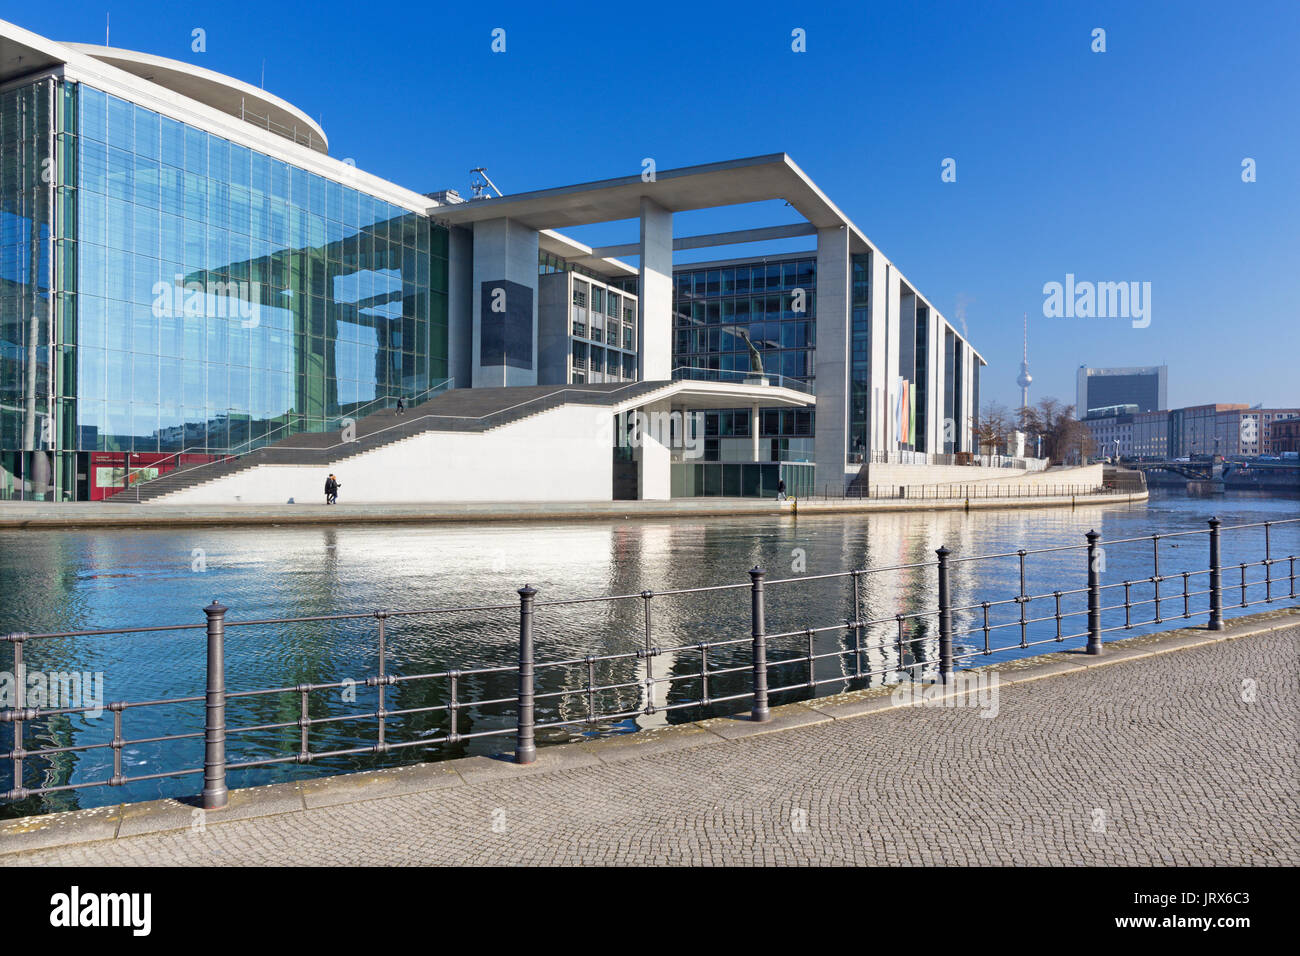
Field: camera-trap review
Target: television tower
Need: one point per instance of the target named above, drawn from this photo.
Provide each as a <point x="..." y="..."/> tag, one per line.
<point x="1024" y="379"/>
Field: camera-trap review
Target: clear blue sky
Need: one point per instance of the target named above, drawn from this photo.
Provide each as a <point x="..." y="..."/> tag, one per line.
<point x="1115" y="166"/>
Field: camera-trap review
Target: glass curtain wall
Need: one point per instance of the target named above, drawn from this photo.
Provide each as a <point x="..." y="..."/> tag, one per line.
<point x="28" y="182"/>
<point x="224" y="298"/>
<point x="859" y="434"/>
<point x="719" y="310"/>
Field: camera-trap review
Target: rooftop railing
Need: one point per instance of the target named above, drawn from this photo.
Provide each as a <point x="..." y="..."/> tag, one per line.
<point x="925" y="626"/>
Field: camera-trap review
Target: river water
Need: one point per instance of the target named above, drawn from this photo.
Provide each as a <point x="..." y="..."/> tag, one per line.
<point x="55" y="580"/>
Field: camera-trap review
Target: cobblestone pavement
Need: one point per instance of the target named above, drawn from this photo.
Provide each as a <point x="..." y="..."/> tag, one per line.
<point x="1165" y="761"/>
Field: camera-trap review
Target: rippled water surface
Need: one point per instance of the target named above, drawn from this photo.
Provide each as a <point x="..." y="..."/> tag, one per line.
<point x="54" y="580"/>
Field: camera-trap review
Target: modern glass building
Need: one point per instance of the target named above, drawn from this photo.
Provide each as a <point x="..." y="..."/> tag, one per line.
<point x="170" y="290"/>
<point x="186" y="274"/>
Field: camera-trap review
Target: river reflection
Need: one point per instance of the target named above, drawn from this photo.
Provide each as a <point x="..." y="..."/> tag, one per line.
<point x="83" y="579"/>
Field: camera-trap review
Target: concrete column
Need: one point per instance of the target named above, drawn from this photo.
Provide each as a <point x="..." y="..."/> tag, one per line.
<point x="833" y="333"/>
<point x="653" y="457"/>
<point x="655" y="307"/>
<point x="505" y="304"/>
<point x="753" y="433"/>
<point x="881" y="271"/>
<point x="934" y="384"/>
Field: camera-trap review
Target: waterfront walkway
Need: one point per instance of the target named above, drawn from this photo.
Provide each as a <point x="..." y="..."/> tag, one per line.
<point x="99" y="514"/>
<point x="1173" y="749"/>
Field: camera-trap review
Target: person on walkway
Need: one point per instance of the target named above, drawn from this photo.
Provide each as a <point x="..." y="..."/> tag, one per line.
<point x="331" y="490"/>
<point x="401" y="407"/>
<point x="780" y="490"/>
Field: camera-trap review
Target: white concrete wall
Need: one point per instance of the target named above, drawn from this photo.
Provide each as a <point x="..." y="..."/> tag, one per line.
<point x="559" y="455"/>
<point x="1089" y="475"/>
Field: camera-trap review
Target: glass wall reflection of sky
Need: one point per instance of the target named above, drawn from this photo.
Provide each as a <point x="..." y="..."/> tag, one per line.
<point x="222" y="292"/>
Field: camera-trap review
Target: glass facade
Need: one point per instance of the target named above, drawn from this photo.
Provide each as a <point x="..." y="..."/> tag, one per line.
<point x="211" y="297"/>
<point x="28" y="196"/>
<point x="859" y="434"/>
<point x="718" y="311"/>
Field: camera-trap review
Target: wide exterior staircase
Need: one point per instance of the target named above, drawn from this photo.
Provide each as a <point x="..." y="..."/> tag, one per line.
<point x="457" y="410"/>
<point x="1124" y="479"/>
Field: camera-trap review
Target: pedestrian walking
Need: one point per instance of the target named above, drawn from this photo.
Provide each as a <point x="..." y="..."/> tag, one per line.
<point x="780" y="490"/>
<point x="401" y="407"/>
<point x="331" y="490"/>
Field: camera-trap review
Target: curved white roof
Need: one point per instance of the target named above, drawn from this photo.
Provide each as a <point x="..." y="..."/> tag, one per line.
<point x="225" y="93"/>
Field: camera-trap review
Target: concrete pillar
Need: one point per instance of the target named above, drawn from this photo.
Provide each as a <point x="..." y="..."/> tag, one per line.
<point x="653" y="457"/>
<point x="505" y="304"/>
<point x="833" y="331"/>
<point x="753" y="432"/>
<point x="934" y="384"/>
<point x="655" y="307"/>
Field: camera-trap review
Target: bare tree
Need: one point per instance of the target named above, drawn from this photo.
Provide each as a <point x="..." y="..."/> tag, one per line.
<point x="993" y="427"/>
<point x="1064" y="438"/>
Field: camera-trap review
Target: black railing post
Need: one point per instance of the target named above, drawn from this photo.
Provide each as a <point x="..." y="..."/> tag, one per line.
<point x="525" y="747"/>
<point x="760" y="712"/>
<point x="1216" y="578"/>
<point x="945" y="619"/>
<point x="1094" y="594"/>
<point x="215" y="794"/>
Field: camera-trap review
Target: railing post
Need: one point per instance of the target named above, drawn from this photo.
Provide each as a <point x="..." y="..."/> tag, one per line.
<point x="1216" y="578"/>
<point x="945" y="619"/>
<point x="760" y="712"/>
<point x="1094" y="594"/>
<point x="215" y="794"/>
<point x="525" y="747"/>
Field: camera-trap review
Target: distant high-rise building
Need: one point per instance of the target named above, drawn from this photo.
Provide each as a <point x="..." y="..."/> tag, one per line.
<point x="1096" y="388"/>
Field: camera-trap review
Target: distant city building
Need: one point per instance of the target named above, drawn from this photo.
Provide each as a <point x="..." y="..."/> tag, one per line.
<point x="1151" y="434"/>
<point x="1233" y="430"/>
<point x="1282" y="435"/>
<point x="1099" y="388"/>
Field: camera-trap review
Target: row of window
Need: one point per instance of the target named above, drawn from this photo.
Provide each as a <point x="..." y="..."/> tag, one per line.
<point x="726" y="311"/>
<point x="740" y="280"/>
<point x="596" y="359"/>
<point x="797" y="364"/>
<point x="764" y="335"/>
<point x="773" y="422"/>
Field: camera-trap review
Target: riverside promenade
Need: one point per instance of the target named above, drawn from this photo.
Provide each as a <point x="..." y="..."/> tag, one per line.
<point x="24" y="515"/>
<point x="1173" y="749"/>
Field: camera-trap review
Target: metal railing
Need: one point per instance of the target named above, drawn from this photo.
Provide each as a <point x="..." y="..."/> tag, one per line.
<point x="664" y="673"/>
<point x="976" y="491"/>
<point x="905" y="457"/>
<point x="737" y="377"/>
<point x="131" y="489"/>
<point x="133" y="480"/>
